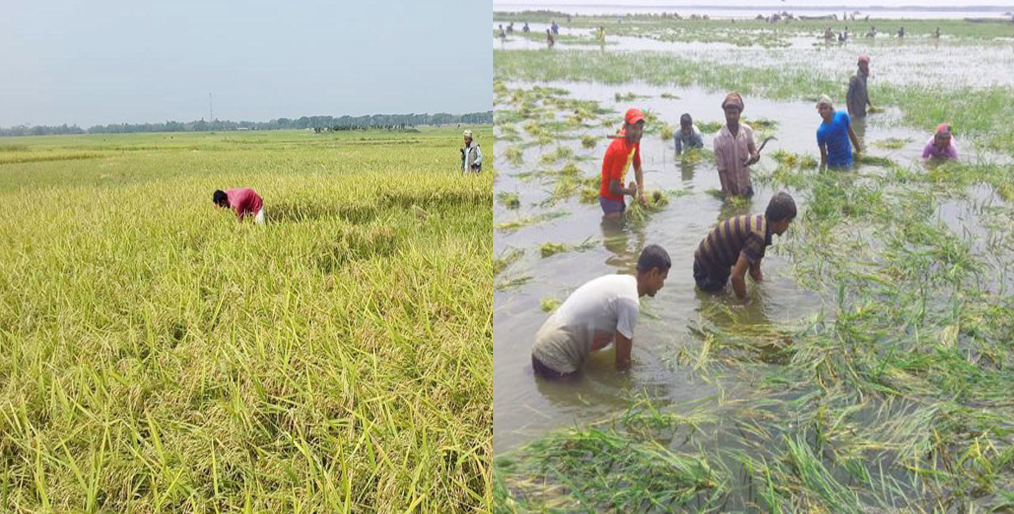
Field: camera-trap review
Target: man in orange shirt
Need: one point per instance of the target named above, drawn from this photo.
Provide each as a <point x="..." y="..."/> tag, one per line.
<point x="622" y="153"/>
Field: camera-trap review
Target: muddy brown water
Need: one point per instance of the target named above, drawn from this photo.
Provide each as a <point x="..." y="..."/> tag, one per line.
<point x="526" y="407"/>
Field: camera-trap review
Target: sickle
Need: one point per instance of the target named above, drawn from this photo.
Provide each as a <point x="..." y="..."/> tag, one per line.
<point x="763" y="143"/>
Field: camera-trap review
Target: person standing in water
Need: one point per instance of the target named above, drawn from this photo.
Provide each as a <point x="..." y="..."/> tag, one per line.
<point x="735" y="150"/>
<point x="622" y="154"/>
<point x="833" y="136"/>
<point x="858" y="96"/>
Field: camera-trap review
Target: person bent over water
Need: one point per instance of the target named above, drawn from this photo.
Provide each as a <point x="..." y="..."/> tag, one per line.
<point x="942" y="145"/>
<point x="738" y="244"/>
<point x="600" y="312"/>
<point x="687" y="136"/>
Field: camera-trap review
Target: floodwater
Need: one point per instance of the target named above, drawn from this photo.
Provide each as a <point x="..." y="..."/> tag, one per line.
<point x="526" y="407"/>
<point x="944" y="63"/>
<point x="744" y="12"/>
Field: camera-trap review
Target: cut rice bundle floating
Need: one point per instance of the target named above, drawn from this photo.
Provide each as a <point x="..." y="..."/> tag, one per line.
<point x="549" y="304"/>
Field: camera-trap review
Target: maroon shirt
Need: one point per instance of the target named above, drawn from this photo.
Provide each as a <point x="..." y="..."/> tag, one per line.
<point x="245" y="201"/>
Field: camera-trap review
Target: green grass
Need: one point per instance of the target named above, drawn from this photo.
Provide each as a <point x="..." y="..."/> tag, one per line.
<point x="156" y="355"/>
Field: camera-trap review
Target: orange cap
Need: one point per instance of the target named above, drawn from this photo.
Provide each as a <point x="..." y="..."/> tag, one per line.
<point x="633" y="116"/>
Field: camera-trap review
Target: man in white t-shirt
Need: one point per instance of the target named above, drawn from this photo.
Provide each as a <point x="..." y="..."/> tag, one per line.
<point x="600" y="312"/>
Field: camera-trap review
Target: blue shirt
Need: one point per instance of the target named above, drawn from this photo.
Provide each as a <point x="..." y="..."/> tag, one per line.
<point x="835" y="135"/>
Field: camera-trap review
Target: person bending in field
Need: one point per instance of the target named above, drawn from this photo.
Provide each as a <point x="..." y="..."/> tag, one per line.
<point x="688" y="136"/>
<point x="599" y="312"/>
<point x="738" y="244"/>
<point x="245" y="201"/>
<point x="471" y="155"/>
<point x="833" y="136"/>
<point x="942" y="145"/>
<point x="735" y="150"/>
<point x="623" y="152"/>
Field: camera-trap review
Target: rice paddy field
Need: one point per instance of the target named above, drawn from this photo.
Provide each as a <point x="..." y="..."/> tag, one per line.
<point x="158" y="356"/>
<point x="870" y="372"/>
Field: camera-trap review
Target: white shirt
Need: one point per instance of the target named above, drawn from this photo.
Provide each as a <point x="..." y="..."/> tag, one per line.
<point x="588" y="321"/>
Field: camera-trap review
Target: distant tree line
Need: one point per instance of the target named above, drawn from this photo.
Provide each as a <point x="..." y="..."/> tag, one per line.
<point x="317" y="123"/>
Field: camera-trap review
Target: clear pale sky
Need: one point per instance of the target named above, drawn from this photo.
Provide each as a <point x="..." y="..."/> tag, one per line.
<point x="773" y="3"/>
<point x="119" y="61"/>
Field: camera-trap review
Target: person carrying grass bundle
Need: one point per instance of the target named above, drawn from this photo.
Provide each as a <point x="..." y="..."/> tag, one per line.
<point x="688" y="135"/>
<point x="833" y="136"/>
<point x="600" y="312"/>
<point x="245" y="201"/>
<point x="737" y="245"/>
<point x="942" y="145"/>
<point x="623" y="152"/>
<point x="735" y="150"/>
<point x="858" y="96"/>
<point x="471" y="155"/>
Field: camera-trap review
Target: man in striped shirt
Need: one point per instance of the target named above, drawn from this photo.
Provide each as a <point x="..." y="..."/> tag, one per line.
<point x="738" y="244"/>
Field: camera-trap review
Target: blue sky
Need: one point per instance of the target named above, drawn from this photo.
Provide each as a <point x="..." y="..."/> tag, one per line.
<point x="99" y="62"/>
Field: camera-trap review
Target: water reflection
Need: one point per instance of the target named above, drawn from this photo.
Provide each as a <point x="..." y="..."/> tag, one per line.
<point x="616" y="238"/>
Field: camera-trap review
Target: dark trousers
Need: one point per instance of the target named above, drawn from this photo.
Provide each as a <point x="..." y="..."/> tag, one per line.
<point x="708" y="279"/>
<point x="545" y="371"/>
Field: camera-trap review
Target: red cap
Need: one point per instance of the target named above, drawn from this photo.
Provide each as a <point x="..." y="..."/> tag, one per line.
<point x="864" y="58"/>
<point x="944" y="128"/>
<point x="633" y="116"/>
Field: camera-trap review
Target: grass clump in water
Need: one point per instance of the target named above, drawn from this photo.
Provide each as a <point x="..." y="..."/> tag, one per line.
<point x="529" y="220"/>
<point x="891" y="143"/>
<point x="514" y="155"/>
<point x="589" y="141"/>
<point x="549" y="304"/>
<point x="508" y="199"/>
<point x="559" y="154"/>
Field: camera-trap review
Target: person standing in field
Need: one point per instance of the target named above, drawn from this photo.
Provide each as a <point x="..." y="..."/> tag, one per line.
<point x="735" y="150"/>
<point x="526" y="29"/>
<point x="550" y="39"/>
<point x="600" y="312"/>
<point x="471" y="155"/>
<point x="688" y="135"/>
<point x="622" y="153"/>
<point x="858" y="97"/>
<point x="738" y="244"/>
<point x="244" y="201"/>
<point x="833" y="136"/>
<point x="942" y="145"/>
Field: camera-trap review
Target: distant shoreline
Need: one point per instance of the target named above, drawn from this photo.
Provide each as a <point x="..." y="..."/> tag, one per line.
<point x="778" y="7"/>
